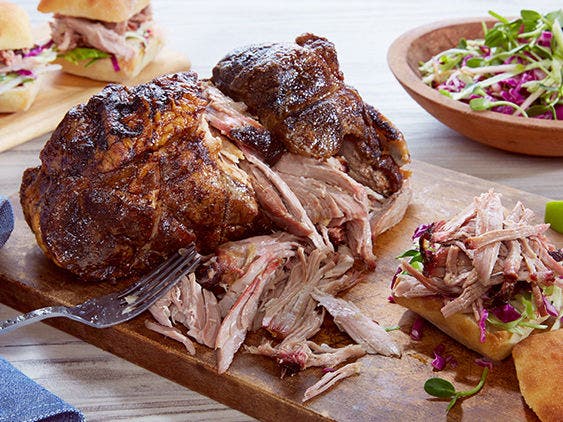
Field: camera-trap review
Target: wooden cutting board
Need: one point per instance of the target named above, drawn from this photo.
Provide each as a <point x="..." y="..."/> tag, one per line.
<point x="387" y="388"/>
<point x="61" y="91"/>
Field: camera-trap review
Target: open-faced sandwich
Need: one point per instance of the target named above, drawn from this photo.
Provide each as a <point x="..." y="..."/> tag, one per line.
<point x="21" y="62"/>
<point x="105" y="40"/>
<point x="488" y="277"/>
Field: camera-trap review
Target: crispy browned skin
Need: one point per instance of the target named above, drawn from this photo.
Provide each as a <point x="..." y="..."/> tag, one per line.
<point x="299" y="94"/>
<point x="132" y="176"/>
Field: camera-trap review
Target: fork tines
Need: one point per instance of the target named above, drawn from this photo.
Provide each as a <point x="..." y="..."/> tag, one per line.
<point x="155" y="284"/>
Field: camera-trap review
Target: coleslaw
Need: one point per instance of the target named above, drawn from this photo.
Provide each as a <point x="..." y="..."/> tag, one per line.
<point x="515" y="69"/>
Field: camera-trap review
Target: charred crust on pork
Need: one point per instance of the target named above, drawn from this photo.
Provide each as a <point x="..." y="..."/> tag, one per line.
<point x="298" y="93"/>
<point x="130" y="177"/>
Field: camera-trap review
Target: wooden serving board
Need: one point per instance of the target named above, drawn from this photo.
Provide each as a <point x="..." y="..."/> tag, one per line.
<point x="60" y="91"/>
<point x="387" y="388"/>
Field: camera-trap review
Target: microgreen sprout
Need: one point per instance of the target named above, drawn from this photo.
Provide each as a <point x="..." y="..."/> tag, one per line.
<point x="392" y="328"/>
<point x="439" y="387"/>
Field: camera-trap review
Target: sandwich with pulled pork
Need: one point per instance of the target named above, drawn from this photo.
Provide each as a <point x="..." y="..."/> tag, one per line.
<point x="21" y="61"/>
<point x="488" y="277"/>
<point x="104" y="40"/>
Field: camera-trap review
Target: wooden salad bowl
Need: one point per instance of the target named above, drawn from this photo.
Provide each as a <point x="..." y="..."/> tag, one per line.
<point x="510" y="133"/>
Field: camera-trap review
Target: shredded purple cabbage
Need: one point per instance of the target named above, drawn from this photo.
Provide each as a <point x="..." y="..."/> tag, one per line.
<point x="417" y="327"/>
<point x="558" y="253"/>
<point x="482" y="325"/>
<point x="551" y="310"/>
<point x="420" y="230"/>
<point x="115" y="63"/>
<point x="485" y="50"/>
<point x="25" y="72"/>
<point x="545" y="39"/>
<point x="34" y="52"/>
<point x="505" y="313"/>
<point x="38" y="49"/>
<point x="439" y="362"/>
<point x="328" y="369"/>
<point x="441" y="359"/>
<point x="391" y="299"/>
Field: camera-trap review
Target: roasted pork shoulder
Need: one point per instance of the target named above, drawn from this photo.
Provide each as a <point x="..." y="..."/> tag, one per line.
<point x="132" y="176"/>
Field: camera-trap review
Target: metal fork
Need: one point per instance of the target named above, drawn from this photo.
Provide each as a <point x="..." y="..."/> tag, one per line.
<point x="115" y="308"/>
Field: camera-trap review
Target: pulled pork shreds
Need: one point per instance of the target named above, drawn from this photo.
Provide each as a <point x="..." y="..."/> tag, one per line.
<point x="257" y="260"/>
<point x="190" y="305"/>
<point x="7" y="57"/>
<point x="330" y="379"/>
<point x="349" y="318"/>
<point x="173" y="333"/>
<point x="292" y="312"/>
<point x="280" y="203"/>
<point x="331" y="198"/>
<point x="482" y="257"/>
<point x="70" y="32"/>
<point x="264" y="273"/>
<point x="294" y="308"/>
<point x="276" y="281"/>
<point x="294" y="356"/>
<point x="277" y="284"/>
<point x="239" y="319"/>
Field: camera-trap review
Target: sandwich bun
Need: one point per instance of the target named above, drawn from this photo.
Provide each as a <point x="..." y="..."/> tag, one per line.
<point x="101" y="10"/>
<point x="102" y="69"/>
<point x="19" y="98"/>
<point x="15" y="30"/>
<point x="462" y="327"/>
<point x="539" y="368"/>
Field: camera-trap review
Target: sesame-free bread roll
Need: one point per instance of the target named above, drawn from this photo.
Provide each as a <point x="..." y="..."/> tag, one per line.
<point x="15" y="31"/>
<point x="101" y="10"/>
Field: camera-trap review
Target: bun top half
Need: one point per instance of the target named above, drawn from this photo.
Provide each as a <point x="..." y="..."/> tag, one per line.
<point x="101" y="10"/>
<point x="15" y="30"/>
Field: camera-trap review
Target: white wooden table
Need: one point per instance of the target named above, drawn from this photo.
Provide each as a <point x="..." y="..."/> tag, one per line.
<point x="105" y="387"/>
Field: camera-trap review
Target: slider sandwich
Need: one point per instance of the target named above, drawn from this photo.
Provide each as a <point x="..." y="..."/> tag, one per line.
<point x="21" y="62"/>
<point x="488" y="277"/>
<point x="106" y="40"/>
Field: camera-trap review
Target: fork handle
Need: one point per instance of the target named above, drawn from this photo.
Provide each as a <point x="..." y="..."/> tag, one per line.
<point x="33" y="316"/>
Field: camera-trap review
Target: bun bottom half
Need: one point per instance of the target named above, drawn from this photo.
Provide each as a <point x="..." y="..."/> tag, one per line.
<point x="19" y="98"/>
<point x="463" y="327"/>
<point x="102" y="69"/>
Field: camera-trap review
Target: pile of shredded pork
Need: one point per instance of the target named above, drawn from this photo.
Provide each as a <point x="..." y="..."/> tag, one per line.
<point x="482" y="256"/>
<point x="70" y="32"/>
<point x="284" y="284"/>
